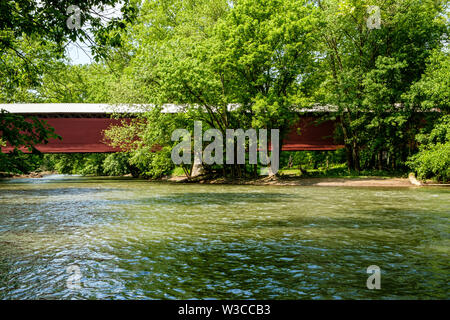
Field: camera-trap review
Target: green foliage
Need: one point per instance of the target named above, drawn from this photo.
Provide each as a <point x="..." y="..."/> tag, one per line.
<point x="433" y="89"/>
<point x="92" y="165"/>
<point x="19" y="131"/>
<point x="152" y="164"/>
<point x="270" y="57"/>
<point x="83" y="164"/>
<point x="366" y="72"/>
<point x="311" y="159"/>
<point x="116" y="164"/>
<point x="34" y="35"/>
<point x="208" y="55"/>
<point x="161" y="163"/>
<point x="148" y="139"/>
<point x="143" y="164"/>
<point x="18" y="162"/>
<point x="432" y="162"/>
<point x="20" y="73"/>
<point x="64" y="83"/>
<point x="48" y="18"/>
<point x="266" y="58"/>
<point x="265" y="46"/>
<point x="68" y="163"/>
<point x="433" y="159"/>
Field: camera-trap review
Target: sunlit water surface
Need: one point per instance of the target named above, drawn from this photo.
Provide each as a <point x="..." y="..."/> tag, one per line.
<point x="134" y="239"/>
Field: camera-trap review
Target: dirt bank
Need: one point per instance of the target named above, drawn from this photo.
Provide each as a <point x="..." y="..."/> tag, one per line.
<point x="298" y="181"/>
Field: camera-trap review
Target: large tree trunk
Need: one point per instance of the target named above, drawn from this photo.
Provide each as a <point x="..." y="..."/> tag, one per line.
<point x="197" y="170"/>
<point x="351" y="144"/>
<point x="348" y="147"/>
<point x="355" y="154"/>
<point x="348" y="153"/>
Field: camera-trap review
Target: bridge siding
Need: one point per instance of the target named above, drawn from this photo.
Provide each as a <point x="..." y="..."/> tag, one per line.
<point x="85" y="135"/>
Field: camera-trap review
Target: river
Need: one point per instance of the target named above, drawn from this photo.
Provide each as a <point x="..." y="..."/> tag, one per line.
<point x="66" y="237"/>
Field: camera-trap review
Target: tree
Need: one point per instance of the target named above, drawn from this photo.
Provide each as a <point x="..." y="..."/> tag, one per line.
<point x="433" y="159"/>
<point x="18" y="132"/>
<point x="48" y="18"/>
<point x="32" y="36"/>
<point x="65" y="83"/>
<point x="147" y="139"/>
<point x="365" y="71"/>
<point x="208" y="56"/>
<point x="265" y="54"/>
<point x="432" y="92"/>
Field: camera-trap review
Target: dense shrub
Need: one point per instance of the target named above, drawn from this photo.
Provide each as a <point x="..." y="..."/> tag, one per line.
<point x="116" y="164"/>
<point x="153" y="164"/>
<point x="433" y="158"/>
<point x="311" y="159"/>
<point x="18" y="162"/>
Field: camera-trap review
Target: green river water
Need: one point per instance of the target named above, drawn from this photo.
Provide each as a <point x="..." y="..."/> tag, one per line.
<point x="134" y="239"/>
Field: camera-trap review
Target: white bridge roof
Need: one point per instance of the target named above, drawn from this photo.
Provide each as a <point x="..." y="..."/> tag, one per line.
<point x="36" y="108"/>
<point x="80" y="108"/>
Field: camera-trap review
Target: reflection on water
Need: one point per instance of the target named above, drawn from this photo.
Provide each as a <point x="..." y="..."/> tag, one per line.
<point x="136" y="239"/>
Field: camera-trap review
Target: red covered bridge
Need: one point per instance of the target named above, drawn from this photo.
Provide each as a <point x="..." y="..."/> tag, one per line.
<point x="81" y="127"/>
